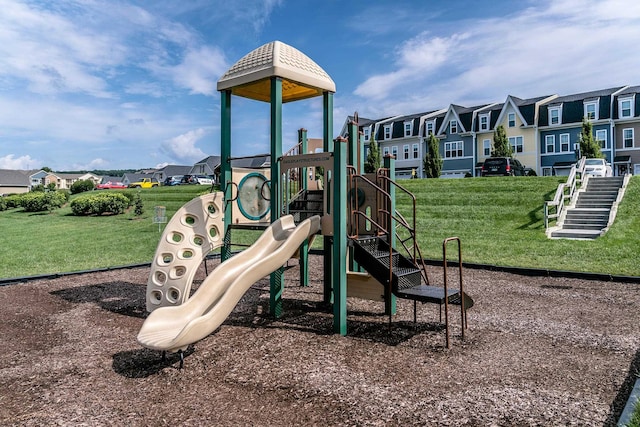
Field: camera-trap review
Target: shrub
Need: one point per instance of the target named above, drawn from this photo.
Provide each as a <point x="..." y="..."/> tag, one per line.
<point x="81" y="186"/>
<point x="99" y="204"/>
<point x="139" y="206"/>
<point x="532" y="173"/>
<point x="38" y="188"/>
<point x="3" y="204"/>
<point x="13" y="201"/>
<point x="42" y="202"/>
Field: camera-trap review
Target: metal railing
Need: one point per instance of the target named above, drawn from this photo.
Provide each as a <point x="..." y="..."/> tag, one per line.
<point x="553" y="208"/>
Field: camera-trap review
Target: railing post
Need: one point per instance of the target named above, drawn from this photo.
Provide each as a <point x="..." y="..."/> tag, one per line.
<point x="390" y="165"/>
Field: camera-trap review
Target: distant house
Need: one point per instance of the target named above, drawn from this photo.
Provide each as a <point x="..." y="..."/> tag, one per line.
<point x="20" y="181"/>
<point x="170" y="170"/>
<point x="626" y="131"/>
<point x="66" y="180"/>
<point x="560" y="125"/>
<point x="209" y="166"/>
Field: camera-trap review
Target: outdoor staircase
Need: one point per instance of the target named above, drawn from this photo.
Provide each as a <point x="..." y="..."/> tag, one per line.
<point x="374" y="255"/>
<point x="589" y="217"/>
<point x="306" y="204"/>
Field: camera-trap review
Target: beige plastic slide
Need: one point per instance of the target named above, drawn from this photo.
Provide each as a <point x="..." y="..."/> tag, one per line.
<point x="193" y="232"/>
<point x="174" y="328"/>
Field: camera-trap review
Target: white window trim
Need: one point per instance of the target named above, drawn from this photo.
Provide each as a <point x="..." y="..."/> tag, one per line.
<point x="453" y="123"/>
<point x="366" y="133"/>
<point x="385" y="151"/>
<point x="595" y="110"/>
<point x="416" y="151"/>
<point x="484" y="126"/>
<point x="624" y="140"/>
<point x="631" y="107"/>
<point x="409" y="131"/>
<point x="559" y="110"/>
<point x="394" y="151"/>
<point x="451" y="145"/>
<point x="387" y="132"/>
<point x="568" y="150"/>
<point x="604" y="143"/>
<point x="509" y="120"/>
<point x="430" y="123"/>
<point x="405" y="152"/>
<point x="547" y="139"/>
<point x="486" y="145"/>
<point x="514" y="146"/>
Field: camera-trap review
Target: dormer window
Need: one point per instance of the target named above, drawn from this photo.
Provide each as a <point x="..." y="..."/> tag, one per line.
<point x="429" y="130"/>
<point x="453" y="126"/>
<point x="408" y="126"/>
<point x="626" y="107"/>
<point x="591" y="110"/>
<point x="512" y="120"/>
<point x="554" y="116"/>
<point x="366" y="133"/>
<point x="387" y="131"/>
<point x="484" y="122"/>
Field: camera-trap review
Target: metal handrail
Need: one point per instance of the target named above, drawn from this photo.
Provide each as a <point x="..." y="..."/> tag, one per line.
<point x="559" y="198"/>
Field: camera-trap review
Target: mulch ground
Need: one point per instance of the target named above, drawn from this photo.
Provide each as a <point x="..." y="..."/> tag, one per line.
<point x="539" y="351"/>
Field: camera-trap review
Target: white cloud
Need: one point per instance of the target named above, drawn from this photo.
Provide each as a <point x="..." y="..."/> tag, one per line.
<point x="199" y="70"/>
<point x="10" y="161"/>
<point x="183" y="147"/>
<point x="562" y="46"/>
<point x="93" y="164"/>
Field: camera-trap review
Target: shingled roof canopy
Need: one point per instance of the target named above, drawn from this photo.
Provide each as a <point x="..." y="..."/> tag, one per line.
<point x="301" y="77"/>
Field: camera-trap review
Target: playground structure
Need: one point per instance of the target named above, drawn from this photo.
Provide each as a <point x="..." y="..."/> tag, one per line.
<point x="369" y="249"/>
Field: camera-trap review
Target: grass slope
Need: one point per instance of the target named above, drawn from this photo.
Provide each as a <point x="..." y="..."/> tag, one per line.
<point x="499" y="220"/>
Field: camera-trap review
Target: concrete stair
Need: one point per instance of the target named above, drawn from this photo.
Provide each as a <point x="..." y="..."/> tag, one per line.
<point x="589" y="216"/>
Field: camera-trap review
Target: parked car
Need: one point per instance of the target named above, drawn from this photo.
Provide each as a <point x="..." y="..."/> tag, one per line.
<point x="144" y="183"/>
<point x="111" y="185"/>
<point x="597" y="167"/>
<point x="204" y="180"/>
<point x="502" y="166"/>
<point x="188" y="179"/>
<point x="173" y="180"/>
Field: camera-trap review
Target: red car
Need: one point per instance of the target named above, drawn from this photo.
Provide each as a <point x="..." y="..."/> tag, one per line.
<point x="110" y="185"/>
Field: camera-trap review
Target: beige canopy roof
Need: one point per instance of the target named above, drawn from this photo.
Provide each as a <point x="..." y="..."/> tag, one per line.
<point x="301" y="77"/>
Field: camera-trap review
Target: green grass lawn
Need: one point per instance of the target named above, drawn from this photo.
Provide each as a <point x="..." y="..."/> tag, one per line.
<point x="499" y="220"/>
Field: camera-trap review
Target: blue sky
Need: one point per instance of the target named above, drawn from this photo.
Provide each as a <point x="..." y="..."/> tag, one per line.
<point x="110" y="84"/>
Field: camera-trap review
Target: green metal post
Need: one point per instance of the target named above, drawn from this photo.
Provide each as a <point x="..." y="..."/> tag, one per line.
<point x="339" y="209"/>
<point x="277" y="277"/>
<point x="225" y="167"/>
<point x="304" y="248"/>
<point x="327" y="146"/>
<point x="390" y="164"/>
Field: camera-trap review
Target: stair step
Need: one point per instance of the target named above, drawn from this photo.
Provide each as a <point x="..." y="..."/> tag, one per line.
<point x="576" y="234"/>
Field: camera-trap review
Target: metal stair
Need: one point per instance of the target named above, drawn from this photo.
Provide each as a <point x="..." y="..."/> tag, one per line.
<point x="306" y="204"/>
<point x="590" y="215"/>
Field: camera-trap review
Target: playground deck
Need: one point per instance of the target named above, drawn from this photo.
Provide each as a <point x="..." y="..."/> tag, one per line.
<point x="538" y="351"/>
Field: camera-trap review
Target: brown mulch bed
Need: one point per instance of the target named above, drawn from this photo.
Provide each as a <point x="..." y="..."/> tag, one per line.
<point x="539" y="351"/>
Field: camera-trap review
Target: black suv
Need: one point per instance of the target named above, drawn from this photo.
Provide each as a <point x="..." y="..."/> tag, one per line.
<point x="502" y="166"/>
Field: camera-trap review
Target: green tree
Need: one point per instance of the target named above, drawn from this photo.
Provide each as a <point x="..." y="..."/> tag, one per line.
<point x="501" y="146"/>
<point x="432" y="161"/>
<point x="373" y="157"/>
<point x="589" y="147"/>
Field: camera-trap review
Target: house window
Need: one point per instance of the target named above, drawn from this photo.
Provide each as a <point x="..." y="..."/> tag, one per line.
<point x="407" y="128"/>
<point x="591" y="111"/>
<point x="367" y="133"/>
<point x="550" y="143"/>
<point x="405" y="152"/>
<point x="512" y="120"/>
<point x="564" y="142"/>
<point x="486" y="147"/>
<point x="385" y="151"/>
<point x="394" y="151"/>
<point x="627" y="138"/>
<point x="484" y="122"/>
<point x="554" y="116"/>
<point x="453" y="126"/>
<point x="453" y="149"/>
<point x="626" y="107"/>
<point x="517" y="144"/>
<point x="415" y="151"/>
<point x="429" y="128"/>
<point x="387" y="131"/>
<point x="601" y="137"/>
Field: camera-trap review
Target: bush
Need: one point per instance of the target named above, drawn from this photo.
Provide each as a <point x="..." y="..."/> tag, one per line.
<point x="82" y="186"/>
<point x="42" y="202"/>
<point x="13" y="201"/>
<point x="139" y="206"/>
<point x="99" y="204"/>
<point x="532" y="173"/>
<point x="3" y="204"/>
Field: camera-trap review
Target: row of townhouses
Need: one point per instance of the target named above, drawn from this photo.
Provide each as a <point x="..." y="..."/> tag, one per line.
<point x="543" y="132"/>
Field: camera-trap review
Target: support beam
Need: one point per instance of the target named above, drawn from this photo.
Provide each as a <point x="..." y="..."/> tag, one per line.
<point x="339" y="209"/>
<point x="225" y="167"/>
<point x="327" y="146"/>
<point x="277" y="277"/>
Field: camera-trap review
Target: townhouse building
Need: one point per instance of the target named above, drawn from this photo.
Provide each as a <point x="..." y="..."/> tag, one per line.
<point x="543" y="131"/>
